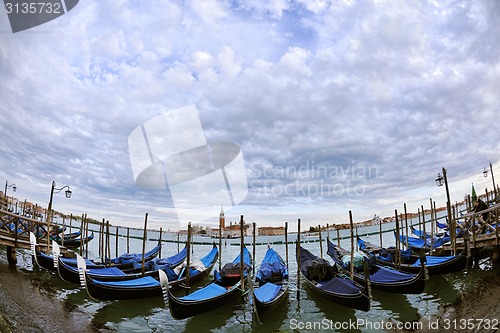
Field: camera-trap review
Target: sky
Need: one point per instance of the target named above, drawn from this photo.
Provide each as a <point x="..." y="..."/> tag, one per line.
<point x="324" y="107"/>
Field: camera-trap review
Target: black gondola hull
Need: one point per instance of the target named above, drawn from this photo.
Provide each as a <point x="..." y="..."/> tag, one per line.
<point x="359" y="300"/>
<point x="105" y="292"/>
<point x="264" y="309"/>
<point x="45" y="261"/>
<point x="454" y="265"/>
<point x="180" y="309"/>
<point x="413" y="285"/>
<point x="70" y="274"/>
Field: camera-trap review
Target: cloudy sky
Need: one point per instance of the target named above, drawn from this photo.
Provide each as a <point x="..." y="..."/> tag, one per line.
<point x="334" y="105"/>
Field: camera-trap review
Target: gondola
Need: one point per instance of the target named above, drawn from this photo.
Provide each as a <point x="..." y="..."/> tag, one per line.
<point x="435" y="265"/>
<point x="49" y="262"/>
<point x="225" y="287"/>
<point x="422" y="243"/>
<point x="123" y="262"/>
<point x="326" y="281"/>
<point x="272" y="280"/>
<point x="443" y="226"/>
<point x="77" y="241"/>
<point x="381" y="277"/>
<point x="420" y="234"/>
<point x="59" y="238"/>
<point x="147" y="286"/>
<point x="70" y="274"/>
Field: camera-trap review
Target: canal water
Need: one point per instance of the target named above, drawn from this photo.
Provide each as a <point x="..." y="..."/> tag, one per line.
<point x="304" y="309"/>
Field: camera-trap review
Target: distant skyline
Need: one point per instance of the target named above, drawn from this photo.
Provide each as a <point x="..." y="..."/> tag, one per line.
<point x="334" y="106"/>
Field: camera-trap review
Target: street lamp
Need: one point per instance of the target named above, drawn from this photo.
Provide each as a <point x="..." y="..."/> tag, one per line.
<point x="485" y="174"/>
<point x="439" y="180"/>
<point x="53" y="190"/>
<point x="7" y="186"/>
<point x="451" y="226"/>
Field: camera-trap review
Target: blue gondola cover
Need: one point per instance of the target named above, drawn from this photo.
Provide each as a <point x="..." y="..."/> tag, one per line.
<point x="212" y="290"/>
<point x="340" y="286"/>
<point x="433" y="260"/>
<point x="267" y="292"/>
<point x="146" y="281"/>
<point x="390" y="275"/>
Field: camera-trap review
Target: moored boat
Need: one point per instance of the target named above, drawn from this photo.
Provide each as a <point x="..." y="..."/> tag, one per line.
<point x="225" y="287"/>
<point x="71" y="274"/>
<point x="411" y="263"/>
<point x="125" y="261"/>
<point x="272" y="281"/>
<point x="381" y="277"/>
<point x="325" y="280"/>
<point x="146" y="286"/>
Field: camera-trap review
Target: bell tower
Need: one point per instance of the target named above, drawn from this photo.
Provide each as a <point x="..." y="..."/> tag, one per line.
<point x="222" y="219"/>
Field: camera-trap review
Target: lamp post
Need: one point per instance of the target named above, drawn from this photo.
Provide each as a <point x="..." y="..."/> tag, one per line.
<point x="440" y="180"/>
<point x="7" y="186"/>
<point x="485" y="173"/>
<point x="53" y="190"/>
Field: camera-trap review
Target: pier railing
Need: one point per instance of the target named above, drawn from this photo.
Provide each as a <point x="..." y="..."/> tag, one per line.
<point x="15" y="230"/>
<point x="482" y="228"/>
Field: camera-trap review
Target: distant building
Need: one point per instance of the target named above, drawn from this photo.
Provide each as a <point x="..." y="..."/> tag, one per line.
<point x="233" y="231"/>
<point x="271" y="231"/>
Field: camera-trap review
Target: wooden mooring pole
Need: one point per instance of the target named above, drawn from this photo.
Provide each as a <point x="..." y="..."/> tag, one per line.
<point x="320" y="243"/>
<point x="144" y="237"/>
<point x="380" y="231"/>
<point x="116" y="242"/>
<point x="297" y="251"/>
<point x="188" y="265"/>
<point x="161" y="246"/>
<point x="351" y="271"/>
<point x="398" y="252"/>
<point x="242" y="261"/>
<point x="101" y="240"/>
<point x="286" y="243"/>
<point x="406" y="226"/>
<point x="11" y="256"/>
<point x="253" y="247"/>
<point x="128" y="240"/>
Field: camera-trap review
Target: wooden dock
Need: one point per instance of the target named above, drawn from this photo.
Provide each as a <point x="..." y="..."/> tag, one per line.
<point x="15" y="233"/>
<point x="481" y="231"/>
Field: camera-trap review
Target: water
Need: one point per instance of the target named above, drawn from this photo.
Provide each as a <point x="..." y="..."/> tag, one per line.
<point x="304" y="309"/>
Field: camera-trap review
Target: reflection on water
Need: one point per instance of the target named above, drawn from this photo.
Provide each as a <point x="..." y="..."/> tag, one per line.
<point x="326" y="313"/>
<point x="232" y="317"/>
<point x="398" y="306"/>
<point x="272" y="322"/>
<point x="118" y="311"/>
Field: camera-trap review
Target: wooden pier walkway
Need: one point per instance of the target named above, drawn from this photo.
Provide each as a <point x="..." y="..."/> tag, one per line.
<point x="481" y="231"/>
<point x="15" y="233"/>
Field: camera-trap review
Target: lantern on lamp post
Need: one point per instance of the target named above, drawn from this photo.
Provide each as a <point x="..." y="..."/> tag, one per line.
<point x="485" y="174"/>
<point x="7" y="186"/>
<point x="440" y="180"/>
